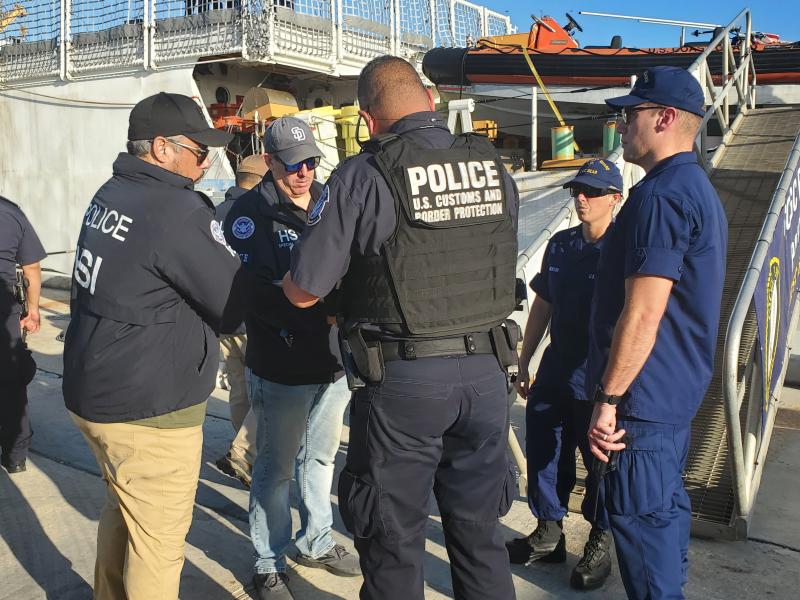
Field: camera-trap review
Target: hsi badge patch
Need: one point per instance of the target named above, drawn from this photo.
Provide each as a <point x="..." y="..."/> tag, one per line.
<point x="316" y="213"/>
<point x="243" y="228"/>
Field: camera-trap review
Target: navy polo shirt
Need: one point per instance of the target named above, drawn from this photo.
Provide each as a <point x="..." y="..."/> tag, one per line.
<point x="672" y="226"/>
<point x="356" y="213"/>
<point x="566" y="282"/>
<point x="19" y="245"/>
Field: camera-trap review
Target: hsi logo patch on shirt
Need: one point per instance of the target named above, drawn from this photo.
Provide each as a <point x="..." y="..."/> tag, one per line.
<point x="286" y="238"/>
<point x="316" y="213"/>
<point x="243" y="228"/>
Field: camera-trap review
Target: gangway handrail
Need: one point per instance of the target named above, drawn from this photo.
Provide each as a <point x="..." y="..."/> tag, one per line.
<point x="743" y="78"/>
<point x="742" y="472"/>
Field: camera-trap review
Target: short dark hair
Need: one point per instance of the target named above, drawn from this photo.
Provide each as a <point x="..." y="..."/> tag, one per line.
<point x="385" y="79"/>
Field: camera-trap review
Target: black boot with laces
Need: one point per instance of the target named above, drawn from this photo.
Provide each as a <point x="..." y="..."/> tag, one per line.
<point x="546" y="544"/>
<point x="594" y="567"/>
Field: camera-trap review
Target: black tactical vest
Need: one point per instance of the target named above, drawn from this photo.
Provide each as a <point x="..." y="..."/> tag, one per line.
<point x="449" y="266"/>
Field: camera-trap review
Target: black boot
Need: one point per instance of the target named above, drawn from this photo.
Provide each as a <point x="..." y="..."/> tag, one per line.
<point x="546" y="544"/>
<point x="594" y="568"/>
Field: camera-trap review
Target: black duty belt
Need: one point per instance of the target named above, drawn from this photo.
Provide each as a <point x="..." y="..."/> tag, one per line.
<point x="473" y="343"/>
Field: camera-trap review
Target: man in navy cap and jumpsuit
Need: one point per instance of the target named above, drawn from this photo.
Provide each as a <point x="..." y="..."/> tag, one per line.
<point x="654" y="324"/>
<point x="558" y="411"/>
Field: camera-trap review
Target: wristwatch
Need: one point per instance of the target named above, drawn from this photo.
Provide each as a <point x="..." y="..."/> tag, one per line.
<point x="601" y="396"/>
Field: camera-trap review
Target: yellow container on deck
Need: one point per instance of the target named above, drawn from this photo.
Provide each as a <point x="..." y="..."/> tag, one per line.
<point x="350" y="129"/>
<point x="562" y="140"/>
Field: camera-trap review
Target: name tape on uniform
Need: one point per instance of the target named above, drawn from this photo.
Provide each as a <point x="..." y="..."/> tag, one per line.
<point x="455" y="191"/>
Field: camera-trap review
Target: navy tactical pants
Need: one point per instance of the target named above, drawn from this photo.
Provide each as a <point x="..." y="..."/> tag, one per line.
<point x="557" y="424"/>
<point x="434" y="424"/>
<point x="649" y="510"/>
<point x="15" y="427"/>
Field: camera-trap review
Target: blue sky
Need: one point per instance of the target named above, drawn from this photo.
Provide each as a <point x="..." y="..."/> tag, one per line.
<point x="773" y="16"/>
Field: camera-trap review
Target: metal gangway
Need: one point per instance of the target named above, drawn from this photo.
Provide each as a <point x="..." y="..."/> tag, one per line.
<point x="755" y="169"/>
<point x="79" y="39"/>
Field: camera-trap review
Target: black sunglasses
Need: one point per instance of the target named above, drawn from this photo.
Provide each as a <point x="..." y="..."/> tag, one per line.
<point x="310" y="163"/>
<point x="628" y="112"/>
<point x="589" y="191"/>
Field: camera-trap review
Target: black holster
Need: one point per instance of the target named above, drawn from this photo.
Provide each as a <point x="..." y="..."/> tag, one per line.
<point x="367" y="356"/>
<point x="362" y="363"/>
<point x="504" y="341"/>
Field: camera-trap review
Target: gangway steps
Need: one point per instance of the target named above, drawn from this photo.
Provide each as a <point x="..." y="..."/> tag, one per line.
<point x="745" y="179"/>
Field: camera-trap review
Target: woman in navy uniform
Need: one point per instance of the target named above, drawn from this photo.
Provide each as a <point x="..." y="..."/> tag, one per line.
<point x="558" y="413"/>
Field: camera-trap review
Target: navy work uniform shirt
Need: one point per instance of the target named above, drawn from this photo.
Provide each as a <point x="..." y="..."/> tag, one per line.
<point x="356" y="212"/>
<point x="19" y="245"/>
<point x="672" y="226"/>
<point x="566" y="282"/>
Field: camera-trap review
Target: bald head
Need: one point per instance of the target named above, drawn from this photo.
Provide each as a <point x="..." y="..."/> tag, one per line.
<point x="390" y="88"/>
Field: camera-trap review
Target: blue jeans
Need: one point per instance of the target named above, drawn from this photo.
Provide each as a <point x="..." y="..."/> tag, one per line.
<point x="299" y="428"/>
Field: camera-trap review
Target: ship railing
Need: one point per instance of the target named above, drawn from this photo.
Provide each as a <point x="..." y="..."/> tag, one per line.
<point x="773" y="274"/>
<point x="719" y="81"/>
<point x="73" y="39"/>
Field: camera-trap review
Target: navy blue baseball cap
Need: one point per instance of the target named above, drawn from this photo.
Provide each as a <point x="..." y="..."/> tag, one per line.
<point x="598" y="173"/>
<point x="668" y="86"/>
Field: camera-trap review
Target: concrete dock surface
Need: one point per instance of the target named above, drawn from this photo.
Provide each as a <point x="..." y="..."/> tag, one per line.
<point x="48" y="516"/>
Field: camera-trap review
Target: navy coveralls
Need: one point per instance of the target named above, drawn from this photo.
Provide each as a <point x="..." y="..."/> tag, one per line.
<point x="434" y="424"/>
<point x="672" y="226"/>
<point x="558" y="414"/>
<point x="19" y="245"/>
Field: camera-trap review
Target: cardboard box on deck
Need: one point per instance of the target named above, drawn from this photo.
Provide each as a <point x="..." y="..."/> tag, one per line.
<point x="268" y="103"/>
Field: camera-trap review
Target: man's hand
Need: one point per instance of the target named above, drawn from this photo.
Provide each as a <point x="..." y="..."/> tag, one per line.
<point x="523" y="380"/>
<point x="602" y="431"/>
<point x="31" y="322"/>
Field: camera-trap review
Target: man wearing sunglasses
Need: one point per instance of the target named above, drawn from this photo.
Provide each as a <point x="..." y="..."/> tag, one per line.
<point x="558" y="411"/>
<point x="152" y="276"/>
<point x="296" y="389"/>
<point x="654" y="323"/>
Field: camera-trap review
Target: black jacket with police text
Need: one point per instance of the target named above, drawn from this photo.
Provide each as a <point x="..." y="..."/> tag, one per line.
<point x="152" y="277"/>
<point x="285" y="344"/>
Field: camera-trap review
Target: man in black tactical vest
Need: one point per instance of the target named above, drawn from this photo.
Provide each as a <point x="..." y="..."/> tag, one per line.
<point x="152" y="277"/>
<point x="421" y="229"/>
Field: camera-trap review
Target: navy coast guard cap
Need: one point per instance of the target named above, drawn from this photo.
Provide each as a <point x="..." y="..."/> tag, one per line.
<point x="599" y="173"/>
<point x="668" y="86"/>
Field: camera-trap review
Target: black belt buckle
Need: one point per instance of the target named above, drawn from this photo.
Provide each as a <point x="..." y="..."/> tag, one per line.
<point x="469" y="343"/>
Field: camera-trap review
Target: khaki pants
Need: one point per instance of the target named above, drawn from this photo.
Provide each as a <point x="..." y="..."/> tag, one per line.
<point x="151" y="478"/>
<point x="243" y="420"/>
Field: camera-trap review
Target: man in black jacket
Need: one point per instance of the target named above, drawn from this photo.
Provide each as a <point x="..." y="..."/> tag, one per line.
<point x="292" y="365"/>
<point x="151" y="279"/>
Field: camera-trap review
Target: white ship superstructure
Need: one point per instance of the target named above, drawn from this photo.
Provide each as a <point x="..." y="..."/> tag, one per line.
<point x="70" y="70"/>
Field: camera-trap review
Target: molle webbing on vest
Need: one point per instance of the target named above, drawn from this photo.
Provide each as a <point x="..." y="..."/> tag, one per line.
<point x="449" y="267"/>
